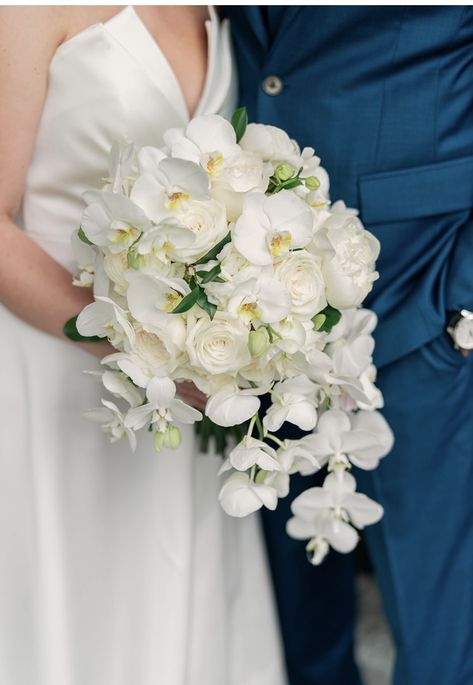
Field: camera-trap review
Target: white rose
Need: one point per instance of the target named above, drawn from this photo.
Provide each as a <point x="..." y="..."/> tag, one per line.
<point x="115" y="265"/>
<point x="218" y="346"/>
<point x="301" y="274"/>
<point x="208" y="222"/>
<point x="348" y="263"/>
<point x="270" y="143"/>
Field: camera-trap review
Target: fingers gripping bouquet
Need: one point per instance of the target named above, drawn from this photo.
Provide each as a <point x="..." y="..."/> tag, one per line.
<point x="218" y="259"/>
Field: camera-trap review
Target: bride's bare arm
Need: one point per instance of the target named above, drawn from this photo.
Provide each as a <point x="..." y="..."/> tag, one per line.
<point x="32" y="285"/>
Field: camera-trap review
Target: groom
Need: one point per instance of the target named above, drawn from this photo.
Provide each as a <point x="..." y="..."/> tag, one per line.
<point x="385" y="95"/>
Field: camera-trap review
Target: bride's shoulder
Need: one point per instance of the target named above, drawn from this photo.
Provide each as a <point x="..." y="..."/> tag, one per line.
<point x="31" y="29"/>
<point x="44" y="27"/>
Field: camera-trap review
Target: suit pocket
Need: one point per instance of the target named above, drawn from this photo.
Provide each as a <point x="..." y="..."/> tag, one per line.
<point x="416" y="192"/>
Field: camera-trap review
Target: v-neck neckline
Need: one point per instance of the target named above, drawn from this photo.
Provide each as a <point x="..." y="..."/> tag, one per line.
<point x="152" y="57"/>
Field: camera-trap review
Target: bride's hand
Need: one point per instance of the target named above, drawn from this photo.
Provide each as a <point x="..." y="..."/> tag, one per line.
<point x="187" y="392"/>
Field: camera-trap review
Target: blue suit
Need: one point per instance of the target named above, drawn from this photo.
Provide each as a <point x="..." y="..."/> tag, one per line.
<point x="385" y="95"/>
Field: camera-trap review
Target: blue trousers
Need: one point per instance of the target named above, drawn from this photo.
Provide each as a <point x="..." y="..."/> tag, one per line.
<point x="422" y="549"/>
<point x="316" y="604"/>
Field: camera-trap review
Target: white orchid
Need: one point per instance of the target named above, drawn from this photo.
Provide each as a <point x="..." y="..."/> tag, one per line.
<point x="240" y="495"/>
<point x="151" y="298"/>
<point x="293" y="400"/>
<point x="105" y="319"/>
<point x="293" y="456"/>
<point x="112" y="220"/>
<point x="260" y="299"/>
<point x="113" y="422"/>
<point x="162" y="407"/>
<point x="271" y="226"/>
<point x="166" y="185"/>
<point x="364" y="439"/>
<point x="251" y="452"/>
<point x="327" y="512"/>
<point x="120" y="386"/>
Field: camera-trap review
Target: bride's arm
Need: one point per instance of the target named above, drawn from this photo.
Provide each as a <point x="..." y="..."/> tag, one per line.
<point x="32" y="285"/>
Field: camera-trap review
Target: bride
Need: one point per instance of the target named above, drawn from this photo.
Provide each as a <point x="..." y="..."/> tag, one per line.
<point x="115" y="569"/>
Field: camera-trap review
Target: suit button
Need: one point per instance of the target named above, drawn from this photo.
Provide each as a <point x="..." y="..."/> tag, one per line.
<point x="272" y="85"/>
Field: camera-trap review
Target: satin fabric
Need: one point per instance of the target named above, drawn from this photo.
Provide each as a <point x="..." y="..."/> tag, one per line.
<point x="115" y="568"/>
<point x="385" y="96"/>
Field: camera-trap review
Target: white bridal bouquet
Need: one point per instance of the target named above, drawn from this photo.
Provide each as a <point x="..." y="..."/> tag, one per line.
<point x="218" y="259"/>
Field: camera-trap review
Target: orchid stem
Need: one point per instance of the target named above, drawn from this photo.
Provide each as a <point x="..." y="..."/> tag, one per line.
<point x="251" y="425"/>
<point x="259" y="426"/>
<point x="275" y="439"/>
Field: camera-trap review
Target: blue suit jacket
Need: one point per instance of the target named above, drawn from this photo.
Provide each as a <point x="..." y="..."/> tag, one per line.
<point x="385" y="96"/>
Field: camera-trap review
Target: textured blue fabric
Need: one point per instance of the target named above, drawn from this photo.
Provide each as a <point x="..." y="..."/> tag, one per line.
<point x="385" y="96"/>
<point x="423" y="547"/>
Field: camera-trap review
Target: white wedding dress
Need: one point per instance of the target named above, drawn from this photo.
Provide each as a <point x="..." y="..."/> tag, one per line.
<point x="115" y="568"/>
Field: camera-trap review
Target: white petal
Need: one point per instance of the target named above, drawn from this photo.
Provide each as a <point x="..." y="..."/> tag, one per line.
<point x="94" y="318"/>
<point x="342" y="537"/>
<point x="300" y="529"/>
<point x="230" y="408"/>
<point x="136" y="418"/>
<point x="333" y="424"/>
<point x="161" y="391"/>
<point x="302" y="414"/>
<point x="362" y="510"/>
<point x="311" y="502"/>
<point x="184" y="413"/>
<point x="237" y="497"/>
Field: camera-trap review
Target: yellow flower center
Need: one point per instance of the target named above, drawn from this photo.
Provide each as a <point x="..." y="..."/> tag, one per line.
<point x="172" y="300"/>
<point x="214" y="163"/>
<point x="280" y="243"/>
<point x="249" y="311"/>
<point x="175" y="199"/>
<point x="123" y="233"/>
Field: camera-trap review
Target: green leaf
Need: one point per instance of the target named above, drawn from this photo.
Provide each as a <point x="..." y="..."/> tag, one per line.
<point x="332" y="317"/>
<point x="291" y="183"/>
<point x="211" y="254"/>
<point x="71" y="332"/>
<point x="83" y="237"/>
<point x="208" y="276"/>
<point x="204" y="304"/>
<point x="240" y="122"/>
<point x="187" y="302"/>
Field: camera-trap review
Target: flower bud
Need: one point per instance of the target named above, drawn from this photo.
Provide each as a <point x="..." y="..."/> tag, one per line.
<point x="284" y="171"/>
<point x="159" y="437"/>
<point x="312" y="183"/>
<point x="172" y="437"/>
<point x="258" y="341"/>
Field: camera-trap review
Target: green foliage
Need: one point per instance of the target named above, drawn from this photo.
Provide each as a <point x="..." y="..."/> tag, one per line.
<point x="83" y="237"/>
<point x="240" y="122"/>
<point x="325" y="320"/>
